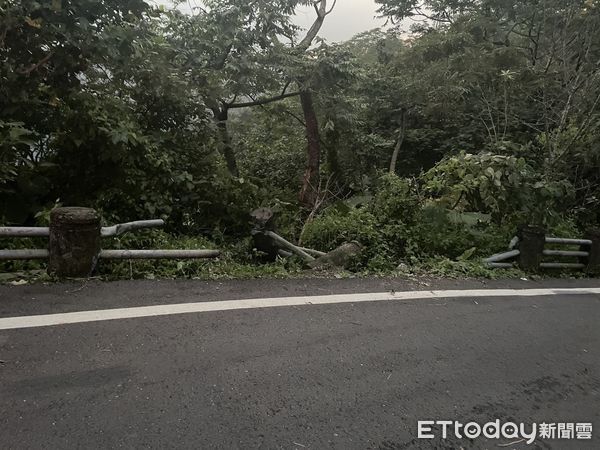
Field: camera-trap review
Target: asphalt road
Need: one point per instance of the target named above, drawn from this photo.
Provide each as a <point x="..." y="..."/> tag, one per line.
<point x="344" y="375"/>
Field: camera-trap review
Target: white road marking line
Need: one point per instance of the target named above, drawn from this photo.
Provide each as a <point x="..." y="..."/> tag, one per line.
<point x="46" y="320"/>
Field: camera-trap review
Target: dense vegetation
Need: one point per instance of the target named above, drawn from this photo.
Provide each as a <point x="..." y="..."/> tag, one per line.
<point x="433" y="143"/>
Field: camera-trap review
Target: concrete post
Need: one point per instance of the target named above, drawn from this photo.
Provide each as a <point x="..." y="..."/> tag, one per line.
<point x="593" y="261"/>
<point x="74" y="242"/>
<point x="531" y="245"/>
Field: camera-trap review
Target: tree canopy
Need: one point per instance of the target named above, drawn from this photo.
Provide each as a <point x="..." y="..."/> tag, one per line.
<point x="484" y="107"/>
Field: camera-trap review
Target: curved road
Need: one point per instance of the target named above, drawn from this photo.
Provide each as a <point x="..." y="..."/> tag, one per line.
<point x="346" y="374"/>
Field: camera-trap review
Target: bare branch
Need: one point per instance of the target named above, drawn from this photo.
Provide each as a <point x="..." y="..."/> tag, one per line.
<point x="37" y="65"/>
<point x="291" y="114"/>
<point x="287" y="84"/>
<point x="331" y="9"/>
<point x="220" y="63"/>
<point x="321" y="9"/>
<point x="263" y="101"/>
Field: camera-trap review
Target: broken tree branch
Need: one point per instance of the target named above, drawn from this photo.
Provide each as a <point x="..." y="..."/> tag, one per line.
<point x="289" y="246"/>
<point x="321" y="9"/>
<point x="263" y="101"/>
<point x="37" y="65"/>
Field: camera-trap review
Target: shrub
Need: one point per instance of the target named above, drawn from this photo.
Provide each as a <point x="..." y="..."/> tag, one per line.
<point x="395" y="200"/>
<point x="335" y="227"/>
<point x="503" y="186"/>
<point x="382" y="225"/>
<point x="396" y="225"/>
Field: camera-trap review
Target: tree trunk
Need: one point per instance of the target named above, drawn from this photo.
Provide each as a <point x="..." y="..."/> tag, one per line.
<point x="221" y="115"/>
<point x="311" y="175"/>
<point x="399" y="142"/>
<point x="332" y="141"/>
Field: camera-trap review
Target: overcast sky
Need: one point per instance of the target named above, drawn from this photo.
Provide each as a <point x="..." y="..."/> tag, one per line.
<point x="348" y="18"/>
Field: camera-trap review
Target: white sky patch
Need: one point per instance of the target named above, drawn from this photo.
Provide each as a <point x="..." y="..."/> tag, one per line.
<point x="348" y="18"/>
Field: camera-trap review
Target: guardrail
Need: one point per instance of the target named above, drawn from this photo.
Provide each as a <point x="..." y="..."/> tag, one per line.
<point x="74" y="246"/>
<point x="115" y="230"/>
<point x="527" y="252"/>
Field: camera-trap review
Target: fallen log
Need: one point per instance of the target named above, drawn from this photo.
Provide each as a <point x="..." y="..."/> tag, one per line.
<point x="286" y="245"/>
<point x="312" y="252"/>
<point x="158" y="254"/>
<point x="271" y="244"/>
<point x="340" y="257"/>
<point x="121" y="228"/>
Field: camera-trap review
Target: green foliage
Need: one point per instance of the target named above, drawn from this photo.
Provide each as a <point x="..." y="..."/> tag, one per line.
<point x="382" y="225"/>
<point x="446" y="268"/>
<point x="235" y="262"/>
<point x="395" y="199"/>
<point x="15" y="141"/>
<point x="504" y="186"/>
<point x="334" y="228"/>
<point x="270" y="147"/>
<point x="396" y="225"/>
<point x="131" y="109"/>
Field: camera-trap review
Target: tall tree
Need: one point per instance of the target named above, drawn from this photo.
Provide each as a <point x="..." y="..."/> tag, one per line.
<point x="239" y="48"/>
<point x="310" y="180"/>
<point x="529" y="73"/>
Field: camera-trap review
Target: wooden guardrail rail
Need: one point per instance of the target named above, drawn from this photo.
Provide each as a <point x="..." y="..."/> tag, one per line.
<point x="527" y="250"/>
<point x="74" y="245"/>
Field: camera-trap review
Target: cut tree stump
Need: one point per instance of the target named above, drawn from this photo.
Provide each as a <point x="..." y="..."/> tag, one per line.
<point x="74" y="242"/>
<point x="265" y="244"/>
<point x="282" y="243"/>
<point x="272" y="245"/>
<point x="263" y="218"/>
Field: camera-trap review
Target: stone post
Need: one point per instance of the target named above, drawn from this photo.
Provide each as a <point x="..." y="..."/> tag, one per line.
<point x="74" y="242"/>
<point x="593" y="261"/>
<point x="531" y="246"/>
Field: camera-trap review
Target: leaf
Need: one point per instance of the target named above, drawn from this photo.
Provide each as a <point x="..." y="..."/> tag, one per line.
<point x="35" y="23"/>
<point x="467" y="254"/>
<point x="83" y="23"/>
